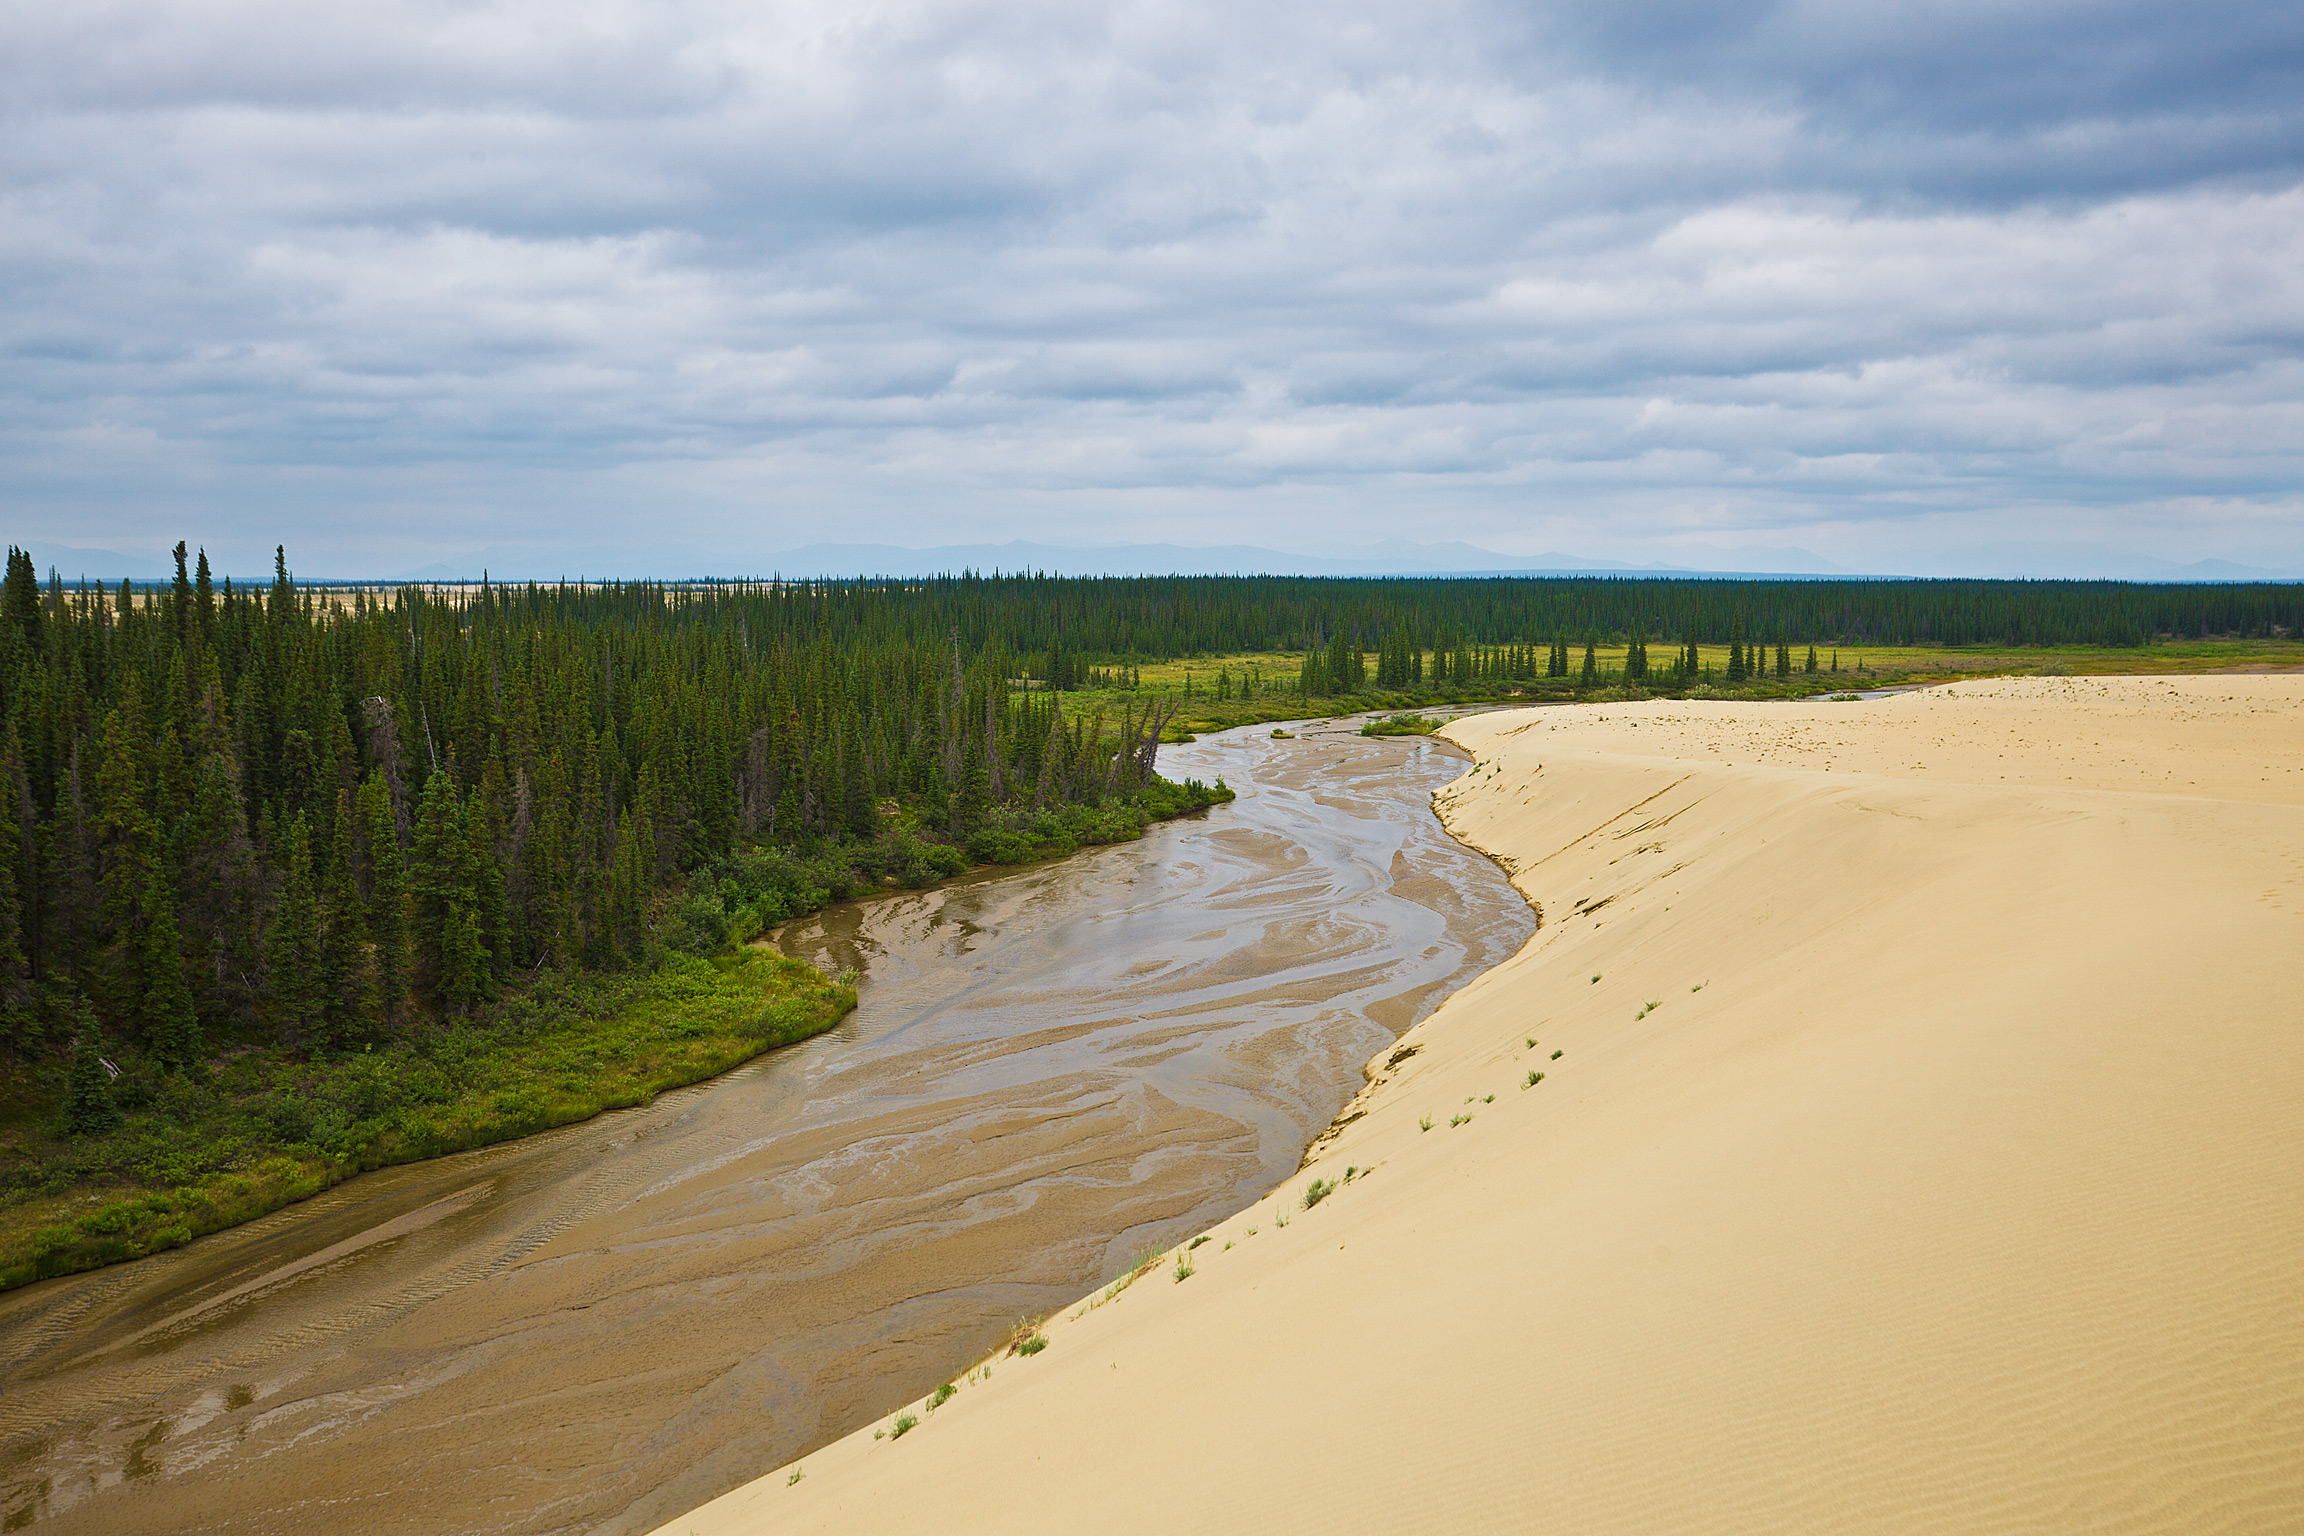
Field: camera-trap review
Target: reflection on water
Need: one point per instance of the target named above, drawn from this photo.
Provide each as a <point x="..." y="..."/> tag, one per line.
<point x="597" y="1328"/>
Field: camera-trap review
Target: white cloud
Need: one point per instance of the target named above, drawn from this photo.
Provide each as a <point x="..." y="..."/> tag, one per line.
<point x="415" y="278"/>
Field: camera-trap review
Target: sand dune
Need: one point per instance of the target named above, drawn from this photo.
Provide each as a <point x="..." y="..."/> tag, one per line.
<point x="1920" y="1147"/>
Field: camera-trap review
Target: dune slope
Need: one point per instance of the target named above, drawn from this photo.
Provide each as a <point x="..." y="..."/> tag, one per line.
<point x="1919" y="1147"/>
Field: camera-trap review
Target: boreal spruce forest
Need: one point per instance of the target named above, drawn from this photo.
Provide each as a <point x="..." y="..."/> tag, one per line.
<point x="296" y="881"/>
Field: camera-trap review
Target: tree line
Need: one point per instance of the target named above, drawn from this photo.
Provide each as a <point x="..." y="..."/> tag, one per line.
<point x="324" y="816"/>
<point x="1106" y="620"/>
<point x="326" y="813"/>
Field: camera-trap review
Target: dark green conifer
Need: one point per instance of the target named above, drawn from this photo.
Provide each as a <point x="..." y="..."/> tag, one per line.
<point x="20" y="608"/>
<point x="436" y="879"/>
<point x="344" y="1003"/>
<point x="463" y="977"/>
<point x="1343" y="662"/>
<point x="387" y="900"/>
<point x="293" y="960"/>
<point x="180" y="596"/>
<point x="164" y="1012"/>
<point x="204" y="598"/>
<point x="1314" y="680"/>
<point x="972" y="801"/>
<point x="89" y="1109"/>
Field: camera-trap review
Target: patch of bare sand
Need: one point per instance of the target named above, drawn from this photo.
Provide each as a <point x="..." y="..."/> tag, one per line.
<point x="1922" y="1153"/>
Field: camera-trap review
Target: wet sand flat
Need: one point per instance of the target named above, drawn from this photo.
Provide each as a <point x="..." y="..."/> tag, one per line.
<point x="1916" y="1150"/>
<point x="596" y="1328"/>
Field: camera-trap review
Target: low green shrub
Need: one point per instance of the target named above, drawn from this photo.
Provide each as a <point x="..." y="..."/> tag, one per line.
<point x="268" y="1128"/>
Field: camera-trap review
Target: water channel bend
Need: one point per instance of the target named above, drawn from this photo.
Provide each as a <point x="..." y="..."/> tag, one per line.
<point x="597" y="1328"/>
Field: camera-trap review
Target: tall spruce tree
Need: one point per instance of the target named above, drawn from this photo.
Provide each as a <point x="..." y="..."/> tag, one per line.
<point x="859" y="811"/>
<point x="163" y="1003"/>
<point x="387" y="901"/>
<point x="89" y="1108"/>
<point x="294" y="962"/>
<point x="972" y="801"/>
<point x="20" y="607"/>
<point x="344" y="1001"/>
<point x="436" y="882"/>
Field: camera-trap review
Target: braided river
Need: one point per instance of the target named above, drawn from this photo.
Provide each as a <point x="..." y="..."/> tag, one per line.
<point x="1051" y="1069"/>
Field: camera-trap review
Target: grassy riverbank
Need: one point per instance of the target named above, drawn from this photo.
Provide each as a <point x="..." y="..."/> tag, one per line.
<point x="262" y="1126"/>
<point x="1253" y="688"/>
<point x="743" y="894"/>
<point x="266" y="1128"/>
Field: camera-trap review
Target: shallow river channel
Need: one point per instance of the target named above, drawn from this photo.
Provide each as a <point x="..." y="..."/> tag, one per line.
<point x="597" y="1328"/>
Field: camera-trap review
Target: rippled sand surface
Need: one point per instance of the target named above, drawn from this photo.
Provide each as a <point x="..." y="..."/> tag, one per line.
<point x="597" y="1328"/>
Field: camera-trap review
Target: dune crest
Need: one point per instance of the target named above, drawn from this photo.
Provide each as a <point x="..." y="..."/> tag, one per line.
<point x="1893" y="1126"/>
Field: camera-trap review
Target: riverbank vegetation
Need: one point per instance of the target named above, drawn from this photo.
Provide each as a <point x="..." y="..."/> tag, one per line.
<point x="1401" y="725"/>
<point x="151" y="1159"/>
<point x="255" y="840"/>
<point x="1233" y="651"/>
<point x="1217" y="692"/>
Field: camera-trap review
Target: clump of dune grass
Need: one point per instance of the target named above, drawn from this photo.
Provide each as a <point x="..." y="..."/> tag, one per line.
<point x="1317" y="1191"/>
<point x="1143" y="1264"/>
<point x="1021" y="1337"/>
<point x="904" y="1425"/>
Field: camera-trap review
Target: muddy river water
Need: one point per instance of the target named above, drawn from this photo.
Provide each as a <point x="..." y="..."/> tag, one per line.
<point x="598" y="1328"/>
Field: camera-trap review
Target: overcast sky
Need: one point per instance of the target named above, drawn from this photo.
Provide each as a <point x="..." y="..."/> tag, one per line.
<point x="1960" y="287"/>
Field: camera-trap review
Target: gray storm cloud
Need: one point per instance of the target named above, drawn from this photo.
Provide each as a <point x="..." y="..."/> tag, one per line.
<point x="1958" y="287"/>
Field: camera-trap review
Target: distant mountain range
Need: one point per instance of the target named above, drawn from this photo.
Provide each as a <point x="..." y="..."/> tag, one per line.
<point x="1396" y="557"/>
